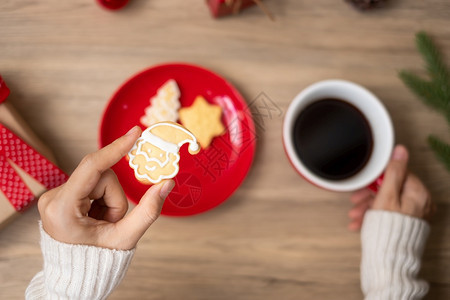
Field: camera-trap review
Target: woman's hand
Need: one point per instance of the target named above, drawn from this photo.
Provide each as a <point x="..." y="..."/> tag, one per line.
<point x="401" y="191"/>
<point x="69" y="215"/>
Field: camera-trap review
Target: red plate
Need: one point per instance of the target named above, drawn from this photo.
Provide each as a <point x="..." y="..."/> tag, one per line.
<point x="207" y="179"/>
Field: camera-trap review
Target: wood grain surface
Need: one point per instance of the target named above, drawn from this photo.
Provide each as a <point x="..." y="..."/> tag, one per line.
<point x="277" y="237"/>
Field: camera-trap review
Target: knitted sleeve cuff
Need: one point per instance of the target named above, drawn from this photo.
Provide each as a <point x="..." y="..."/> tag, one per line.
<point x="392" y="246"/>
<point x="78" y="271"/>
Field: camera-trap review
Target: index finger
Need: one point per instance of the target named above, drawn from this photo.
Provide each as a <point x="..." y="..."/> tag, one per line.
<point x="86" y="176"/>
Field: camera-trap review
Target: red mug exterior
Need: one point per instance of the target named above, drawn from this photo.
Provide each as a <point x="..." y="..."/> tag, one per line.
<point x="376" y="185"/>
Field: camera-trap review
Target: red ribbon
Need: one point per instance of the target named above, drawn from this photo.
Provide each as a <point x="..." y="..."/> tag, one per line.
<point x="32" y="162"/>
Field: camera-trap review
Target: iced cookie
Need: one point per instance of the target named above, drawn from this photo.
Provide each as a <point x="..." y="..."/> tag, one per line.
<point x="164" y="105"/>
<point x="155" y="155"/>
<point x="203" y="120"/>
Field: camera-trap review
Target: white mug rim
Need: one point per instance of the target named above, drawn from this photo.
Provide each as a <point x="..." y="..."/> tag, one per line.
<point x="383" y="156"/>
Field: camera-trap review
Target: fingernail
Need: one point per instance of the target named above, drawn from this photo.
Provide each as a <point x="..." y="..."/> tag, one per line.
<point x="399" y="153"/>
<point x="166" y="189"/>
<point x="132" y="130"/>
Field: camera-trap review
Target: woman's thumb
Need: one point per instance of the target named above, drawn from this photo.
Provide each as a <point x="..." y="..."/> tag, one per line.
<point x="395" y="174"/>
<point x="133" y="226"/>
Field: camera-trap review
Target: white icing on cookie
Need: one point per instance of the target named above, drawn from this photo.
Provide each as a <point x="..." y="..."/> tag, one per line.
<point x="159" y="142"/>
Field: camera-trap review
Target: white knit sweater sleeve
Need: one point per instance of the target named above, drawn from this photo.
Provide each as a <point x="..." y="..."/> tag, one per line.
<point x="77" y="271"/>
<point x="392" y="246"/>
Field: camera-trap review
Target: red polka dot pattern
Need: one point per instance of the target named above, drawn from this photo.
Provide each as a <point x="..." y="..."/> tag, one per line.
<point x="27" y="158"/>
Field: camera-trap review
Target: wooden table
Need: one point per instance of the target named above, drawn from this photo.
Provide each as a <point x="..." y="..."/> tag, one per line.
<point x="277" y="237"/>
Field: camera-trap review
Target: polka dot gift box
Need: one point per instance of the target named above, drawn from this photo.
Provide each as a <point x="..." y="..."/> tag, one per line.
<point x="26" y="170"/>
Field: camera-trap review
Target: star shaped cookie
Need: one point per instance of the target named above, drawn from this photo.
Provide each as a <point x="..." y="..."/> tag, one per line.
<point x="203" y="120"/>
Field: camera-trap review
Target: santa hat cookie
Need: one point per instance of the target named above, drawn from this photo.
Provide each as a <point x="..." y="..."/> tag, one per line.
<point x="155" y="155"/>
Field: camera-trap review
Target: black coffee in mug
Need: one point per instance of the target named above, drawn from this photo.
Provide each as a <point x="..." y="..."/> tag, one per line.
<point x="332" y="138"/>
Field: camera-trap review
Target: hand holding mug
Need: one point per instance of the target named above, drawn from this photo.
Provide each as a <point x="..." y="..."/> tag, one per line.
<point x="401" y="192"/>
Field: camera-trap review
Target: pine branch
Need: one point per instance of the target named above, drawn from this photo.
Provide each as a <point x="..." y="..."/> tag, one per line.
<point x="439" y="72"/>
<point x="427" y="91"/>
<point x="441" y="149"/>
<point x="434" y="62"/>
<point x="434" y="93"/>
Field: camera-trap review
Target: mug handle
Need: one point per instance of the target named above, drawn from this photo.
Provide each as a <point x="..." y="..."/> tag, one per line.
<point x="375" y="186"/>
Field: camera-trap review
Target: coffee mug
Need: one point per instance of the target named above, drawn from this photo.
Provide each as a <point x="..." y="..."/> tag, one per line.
<point x="352" y="97"/>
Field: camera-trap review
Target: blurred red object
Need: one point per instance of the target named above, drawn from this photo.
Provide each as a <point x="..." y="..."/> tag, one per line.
<point x="4" y="90"/>
<point x="220" y="8"/>
<point x="113" y="4"/>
